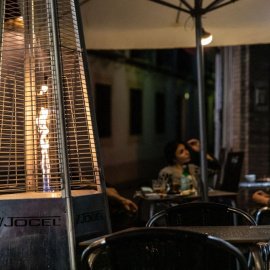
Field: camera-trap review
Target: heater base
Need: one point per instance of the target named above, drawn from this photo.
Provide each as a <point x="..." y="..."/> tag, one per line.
<point x="34" y="231"/>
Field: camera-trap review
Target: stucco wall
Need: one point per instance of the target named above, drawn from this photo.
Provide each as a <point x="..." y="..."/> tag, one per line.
<point x="125" y="157"/>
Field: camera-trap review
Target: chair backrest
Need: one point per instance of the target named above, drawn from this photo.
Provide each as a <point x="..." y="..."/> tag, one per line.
<point x="202" y="214"/>
<point x="263" y="216"/>
<point x="162" y="248"/>
<point x="219" y="174"/>
<point x="232" y="171"/>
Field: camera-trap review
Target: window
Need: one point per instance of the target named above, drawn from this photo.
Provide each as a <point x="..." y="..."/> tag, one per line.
<point x="103" y="109"/>
<point x="180" y="115"/>
<point x="166" y="58"/>
<point x="160" y="113"/>
<point x="135" y="112"/>
<point x="185" y="61"/>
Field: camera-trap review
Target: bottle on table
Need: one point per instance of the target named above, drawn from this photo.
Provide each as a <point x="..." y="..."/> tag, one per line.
<point x="185" y="180"/>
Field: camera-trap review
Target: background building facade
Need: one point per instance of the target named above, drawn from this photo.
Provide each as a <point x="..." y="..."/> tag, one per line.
<point x="143" y="99"/>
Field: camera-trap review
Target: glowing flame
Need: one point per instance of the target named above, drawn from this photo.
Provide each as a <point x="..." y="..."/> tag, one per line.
<point x="44" y="144"/>
<point x="44" y="89"/>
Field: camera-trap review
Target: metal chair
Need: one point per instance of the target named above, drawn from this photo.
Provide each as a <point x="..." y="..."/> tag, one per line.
<point x="231" y="173"/>
<point x="263" y="216"/>
<point x="162" y="248"/>
<point x="202" y="214"/>
<point x="205" y="214"/>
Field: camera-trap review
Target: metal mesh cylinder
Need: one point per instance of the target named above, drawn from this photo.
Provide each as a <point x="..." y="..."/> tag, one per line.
<point x="33" y="85"/>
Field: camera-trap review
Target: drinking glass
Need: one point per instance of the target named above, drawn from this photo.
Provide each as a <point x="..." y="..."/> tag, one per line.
<point x="159" y="186"/>
<point x="176" y="185"/>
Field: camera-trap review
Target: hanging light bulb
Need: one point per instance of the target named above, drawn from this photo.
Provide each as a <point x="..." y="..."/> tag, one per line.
<point x="206" y="37"/>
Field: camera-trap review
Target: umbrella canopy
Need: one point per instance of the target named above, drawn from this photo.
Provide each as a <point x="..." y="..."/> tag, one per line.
<point x="142" y="24"/>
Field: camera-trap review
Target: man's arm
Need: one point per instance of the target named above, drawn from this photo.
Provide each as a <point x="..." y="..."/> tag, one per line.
<point x="113" y="194"/>
<point x="261" y="197"/>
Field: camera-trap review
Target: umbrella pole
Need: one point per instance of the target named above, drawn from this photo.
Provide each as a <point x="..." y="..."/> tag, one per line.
<point x="201" y="98"/>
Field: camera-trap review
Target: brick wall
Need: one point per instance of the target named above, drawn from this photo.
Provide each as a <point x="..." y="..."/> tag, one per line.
<point x="251" y="118"/>
<point x="259" y="117"/>
<point x="239" y="117"/>
<point x="237" y="97"/>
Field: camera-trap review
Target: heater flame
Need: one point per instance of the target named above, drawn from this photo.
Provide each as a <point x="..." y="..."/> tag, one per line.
<point x="44" y="144"/>
<point x="44" y="89"/>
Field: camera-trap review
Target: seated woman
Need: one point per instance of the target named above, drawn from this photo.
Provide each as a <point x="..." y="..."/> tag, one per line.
<point x="193" y="146"/>
<point x="179" y="158"/>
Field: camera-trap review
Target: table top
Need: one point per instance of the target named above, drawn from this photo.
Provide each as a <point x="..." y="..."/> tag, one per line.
<point x="221" y="193"/>
<point x="254" y="184"/>
<point x="232" y="234"/>
<point x="163" y="197"/>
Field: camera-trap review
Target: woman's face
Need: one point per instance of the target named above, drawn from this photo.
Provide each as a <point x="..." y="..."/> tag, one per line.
<point x="182" y="155"/>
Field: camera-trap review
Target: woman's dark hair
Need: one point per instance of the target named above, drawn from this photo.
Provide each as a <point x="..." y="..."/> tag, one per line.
<point x="170" y="149"/>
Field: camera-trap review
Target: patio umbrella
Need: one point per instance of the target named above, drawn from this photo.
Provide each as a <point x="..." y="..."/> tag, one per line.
<point x="152" y="24"/>
<point x="142" y="24"/>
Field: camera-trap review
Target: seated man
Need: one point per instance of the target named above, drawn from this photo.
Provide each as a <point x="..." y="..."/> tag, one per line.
<point x="123" y="212"/>
<point x="261" y="197"/>
<point x="113" y="195"/>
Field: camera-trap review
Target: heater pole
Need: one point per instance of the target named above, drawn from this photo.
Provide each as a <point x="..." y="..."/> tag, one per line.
<point x="63" y="143"/>
<point x="85" y="69"/>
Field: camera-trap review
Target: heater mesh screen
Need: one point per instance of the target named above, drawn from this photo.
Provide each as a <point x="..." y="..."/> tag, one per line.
<point x="33" y="85"/>
<point x="81" y="144"/>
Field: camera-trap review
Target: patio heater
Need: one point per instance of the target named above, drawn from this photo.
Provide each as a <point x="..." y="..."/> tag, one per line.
<point x="52" y="189"/>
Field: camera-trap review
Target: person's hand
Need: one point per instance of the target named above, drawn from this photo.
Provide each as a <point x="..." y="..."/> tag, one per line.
<point x="194" y="144"/>
<point x="261" y="197"/>
<point x="129" y="205"/>
<point x="126" y="203"/>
